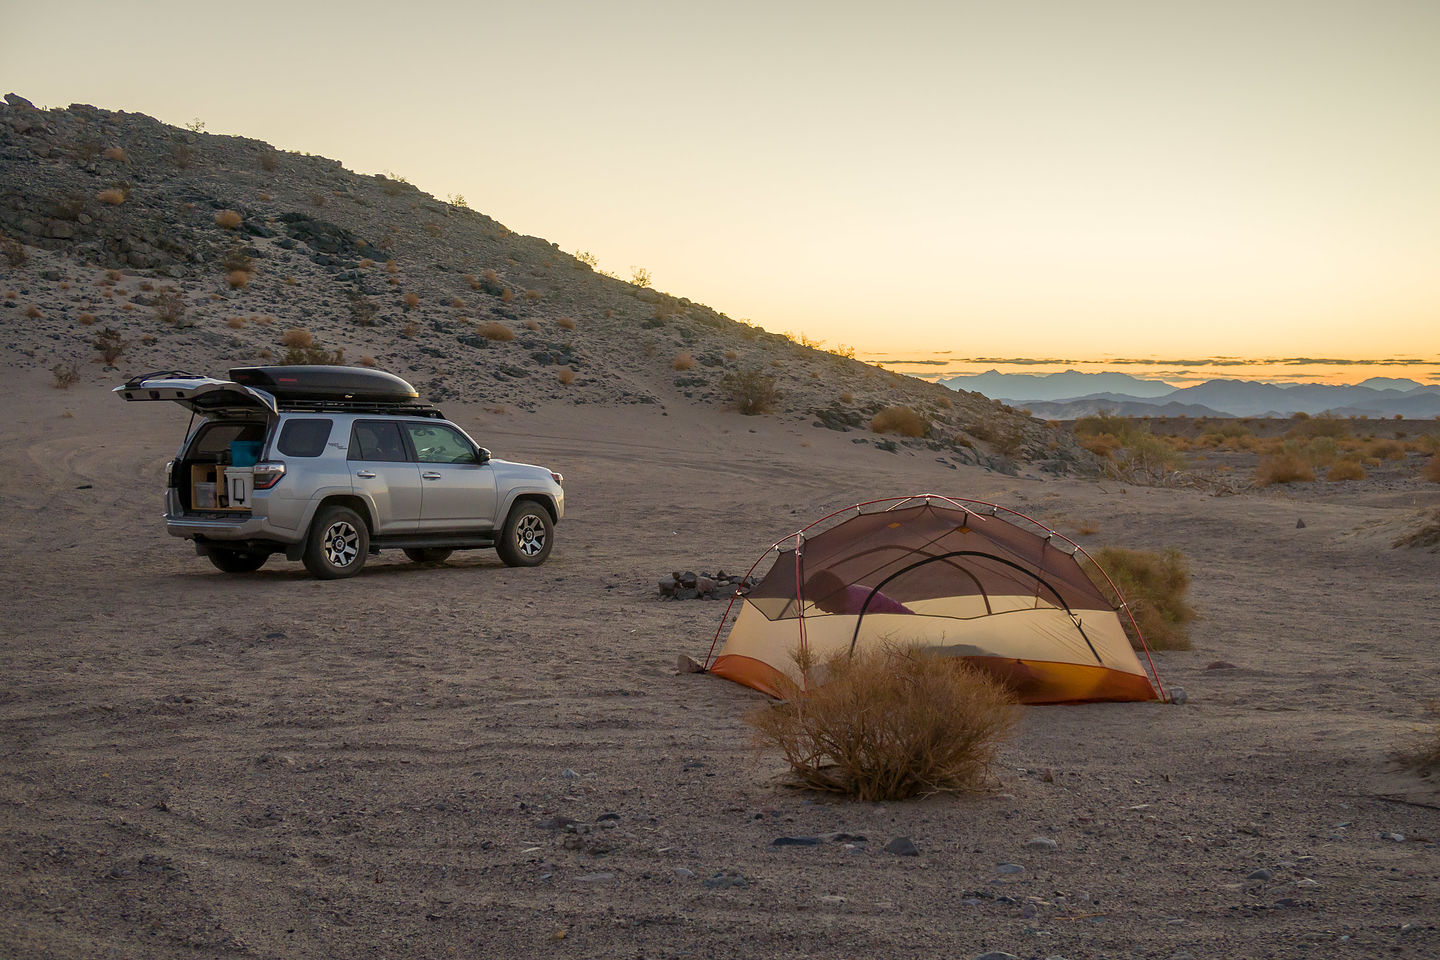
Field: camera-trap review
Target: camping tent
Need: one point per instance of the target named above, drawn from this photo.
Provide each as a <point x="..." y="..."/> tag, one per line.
<point x="963" y="577"/>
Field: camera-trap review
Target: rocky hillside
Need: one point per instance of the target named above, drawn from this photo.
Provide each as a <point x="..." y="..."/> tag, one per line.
<point x="130" y="245"/>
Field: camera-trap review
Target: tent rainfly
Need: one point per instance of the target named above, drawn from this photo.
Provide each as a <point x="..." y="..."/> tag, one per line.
<point x="963" y="577"/>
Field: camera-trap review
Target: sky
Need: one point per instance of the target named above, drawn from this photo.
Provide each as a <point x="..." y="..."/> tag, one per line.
<point x="1078" y="181"/>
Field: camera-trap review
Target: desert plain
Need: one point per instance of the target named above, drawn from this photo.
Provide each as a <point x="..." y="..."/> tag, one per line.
<point x="477" y="761"/>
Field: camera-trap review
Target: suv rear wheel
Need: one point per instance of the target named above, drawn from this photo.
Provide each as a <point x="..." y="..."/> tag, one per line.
<point x="428" y="554"/>
<point x="236" y="561"/>
<point x="338" y="544"/>
<point x="527" y="537"/>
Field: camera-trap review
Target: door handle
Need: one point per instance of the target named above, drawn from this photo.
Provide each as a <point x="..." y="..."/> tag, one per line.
<point x="365" y="474"/>
<point x="430" y="476"/>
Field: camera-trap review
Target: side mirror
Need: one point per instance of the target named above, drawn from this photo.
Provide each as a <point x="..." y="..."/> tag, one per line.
<point x="482" y="455"/>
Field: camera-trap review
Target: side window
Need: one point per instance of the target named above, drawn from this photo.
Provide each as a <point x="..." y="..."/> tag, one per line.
<point x="438" y="443"/>
<point x="377" y="440"/>
<point x="304" y="438"/>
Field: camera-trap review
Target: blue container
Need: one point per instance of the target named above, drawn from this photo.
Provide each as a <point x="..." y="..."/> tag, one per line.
<point x="244" y="453"/>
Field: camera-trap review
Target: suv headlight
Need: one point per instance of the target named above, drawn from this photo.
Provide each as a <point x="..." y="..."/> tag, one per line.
<point x="559" y="478"/>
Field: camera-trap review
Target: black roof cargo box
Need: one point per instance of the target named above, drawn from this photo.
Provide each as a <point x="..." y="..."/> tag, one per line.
<point x="307" y="383"/>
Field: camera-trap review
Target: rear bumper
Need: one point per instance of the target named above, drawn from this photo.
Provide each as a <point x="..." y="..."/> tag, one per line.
<point x="249" y="528"/>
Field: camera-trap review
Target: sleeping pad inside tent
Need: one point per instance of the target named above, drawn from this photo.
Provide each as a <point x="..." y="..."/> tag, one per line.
<point x="964" y="578"/>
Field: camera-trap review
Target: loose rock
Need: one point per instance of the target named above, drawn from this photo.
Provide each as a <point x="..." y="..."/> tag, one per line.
<point x="902" y="847"/>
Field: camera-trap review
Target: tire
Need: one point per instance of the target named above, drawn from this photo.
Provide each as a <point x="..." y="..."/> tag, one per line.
<point x="236" y="561"/>
<point x="338" y="543"/>
<point x="428" y="554"/>
<point x="527" y="536"/>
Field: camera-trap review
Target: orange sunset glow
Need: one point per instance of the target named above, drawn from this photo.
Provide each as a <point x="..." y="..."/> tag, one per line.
<point x="1081" y="183"/>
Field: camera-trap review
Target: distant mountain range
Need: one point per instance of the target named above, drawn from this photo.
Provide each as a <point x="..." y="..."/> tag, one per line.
<point x="1074" y="394"/>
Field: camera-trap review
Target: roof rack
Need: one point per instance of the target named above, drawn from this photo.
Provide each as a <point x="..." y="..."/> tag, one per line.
<point x="413" y="409"/>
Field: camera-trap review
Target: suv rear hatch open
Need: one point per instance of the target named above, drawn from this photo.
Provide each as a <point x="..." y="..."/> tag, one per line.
<point x="202" y="395"/>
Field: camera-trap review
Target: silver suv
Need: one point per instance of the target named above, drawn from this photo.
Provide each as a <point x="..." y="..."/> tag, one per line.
<point x="331" y="464"/>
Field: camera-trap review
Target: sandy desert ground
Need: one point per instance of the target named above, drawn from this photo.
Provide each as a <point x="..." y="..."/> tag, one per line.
<point x="201" y="765"/>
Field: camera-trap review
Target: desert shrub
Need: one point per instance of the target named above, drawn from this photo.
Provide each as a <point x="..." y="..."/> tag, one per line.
<point x="113" y="196"/>
<point x="410" y="329"/>
<point x="1154" y="586"/>
<point x="506" y="295"/>
<point x="1422" y="753"/>
<point x="1283" y="467"/>
<point x="367" y="361"/>
<point x="532" y="325"/>
<point x="1322" y="451"/>
<point x="847" y="397"/>
<point x="237" y="279"/>
<point x="494" y="330"/>
<point x="33" y="312"/>
<point x="297" y="338"/>
<point x="109" y="344"/>
<point x="14" y="251"/>
<point x="1104" y="423"/>
<point x="1345" y="470"/>
<point x="1148" y="457"/>
<point x="1432" y="469"/>
<point x="640" y="276"/>
<point x="235" y="323"/>
<point x="433" y="229"/>
<point x="1332" y="427"/>
<point x="1386" y="449"/>
<point x="457" y="303"/>
<point x="116" y="155"/>
<point x="533" y="295"/>
<point x="66" y="375"/>
<point x="890" y="723"/>
<point x="682" y="361"/>
<point x="86" y="319"/>
<point x="565" y="323"/>
<point x="412" y="300"/>
<point x="362" y="309"/>
<point x="170" y="305"/>
<point x="566" y="376"/>
<point x="312" y="355"/>
<point x="236" y="258"/>
<point x="899" y="419"/>
<point x="391" y="266"/>
<point x="753" y="391"/>
<point x="228" y="219"/>
<point x="268" y="163"/>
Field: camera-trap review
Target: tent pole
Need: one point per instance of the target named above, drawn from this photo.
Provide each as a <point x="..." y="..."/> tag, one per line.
<point x="800" y="612"/>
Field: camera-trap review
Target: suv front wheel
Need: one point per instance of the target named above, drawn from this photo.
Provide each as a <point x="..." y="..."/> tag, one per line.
<point x="338" y="544"/>
<point x="527" y="536"/>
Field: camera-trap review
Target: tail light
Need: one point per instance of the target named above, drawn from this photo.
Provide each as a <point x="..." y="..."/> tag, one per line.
<point x="268" y="474"/>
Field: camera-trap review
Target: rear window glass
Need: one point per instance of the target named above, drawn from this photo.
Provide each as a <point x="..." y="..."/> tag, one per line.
<point x="215" y="438"/>
<point x="377" y="440"/>
<point x="304" y="438"/>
